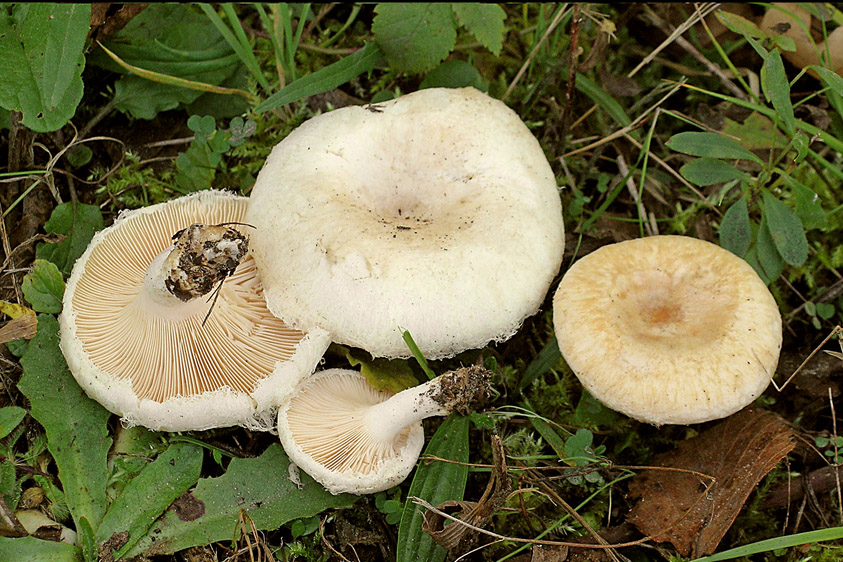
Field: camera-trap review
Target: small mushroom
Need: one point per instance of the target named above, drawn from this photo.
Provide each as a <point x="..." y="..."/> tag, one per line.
<point x="140" y="338"/>
<point x="436" y="213"/>
<point x="668" y="329"/>
<point x="353" y="438"/>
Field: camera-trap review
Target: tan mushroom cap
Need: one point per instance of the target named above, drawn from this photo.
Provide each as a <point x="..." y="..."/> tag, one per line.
<point x="668" y="329"/>
<point x="353" y="438"/>
<point x="149" y="359"/>
<point x="794" y="20"/>
<point x="324" y="430"/>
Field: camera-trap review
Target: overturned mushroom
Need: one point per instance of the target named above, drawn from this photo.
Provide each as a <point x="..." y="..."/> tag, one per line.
<point x="164" y="321"/>
<point x="436" y="213"/>
<point x="353" y="438"/>
<point x="668" y="329"/>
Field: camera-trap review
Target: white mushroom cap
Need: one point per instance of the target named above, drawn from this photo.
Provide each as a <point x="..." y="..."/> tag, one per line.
<point x="668" y="329"/>
<point x="436" y="212"/>
<point x="353" y="438"/>
<point x="146" y="356"/>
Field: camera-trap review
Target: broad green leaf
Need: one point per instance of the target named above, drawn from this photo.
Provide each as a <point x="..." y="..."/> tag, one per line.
<point x="43" y="287"/>
<point x="78" y="222"/>
<point x="484" y="21"/>
<point x="756" y="132"/>
<point x="384" y="374"/>
<point x="768" y="255"/>
<point x="544" y="360"/>
<point x="591" y="412"/>
<point x="549" y="434"/>
<point x="786" y="229"/>
<point x="739" y="24"/>
<point x="30" y="549"/>
<point x="415" y="37"/>
<point x="454" y="74"/>
<point x="10" y="418"/>
<point x="326" y="78"/>
<point x="776" y="89"/>
<point x="809" y="208"/>
<point x="259" y="488"/>
<point x="735" y="229"/>
<point x="171" y="40"/>
<point x="148" y="494"/>
<point x="43" y="57"/>
<point x="76" y="426"/>
<point x="434" y="482"/>
<point x="752" y="259"/>
<point x="709" y="171"/>
<point x="712" y="145"/>
<point x="830" y="78"/>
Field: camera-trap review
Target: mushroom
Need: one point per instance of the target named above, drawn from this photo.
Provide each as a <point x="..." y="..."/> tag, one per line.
<point x="353" y="438"/>
<point x="140" y="340"/>
<point x="794" y="21"/>
<point x="436" y="213"/>
<point x="668" y="329"/>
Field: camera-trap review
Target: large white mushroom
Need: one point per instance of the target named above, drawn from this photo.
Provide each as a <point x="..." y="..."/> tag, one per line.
<point x="668" y="329"/>
<point x="138" y="336"/>
<point x="436" y="212"/>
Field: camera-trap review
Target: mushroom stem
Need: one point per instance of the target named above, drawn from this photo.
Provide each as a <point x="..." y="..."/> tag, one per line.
<point x="458" y="390"/>
<point x="200" y="258"/>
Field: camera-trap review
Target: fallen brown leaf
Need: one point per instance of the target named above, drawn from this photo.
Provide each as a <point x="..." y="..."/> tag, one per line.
<point x="738" y="452"/>
<point x="21" y="327"/>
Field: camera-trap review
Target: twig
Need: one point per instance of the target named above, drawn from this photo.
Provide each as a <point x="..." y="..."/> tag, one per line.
<point x="633" y="125"/>
<point x="835" y="331"/>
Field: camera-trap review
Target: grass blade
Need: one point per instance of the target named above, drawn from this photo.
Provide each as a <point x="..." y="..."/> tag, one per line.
<point x="768" y="545"/>
<point x="326" y="78"/>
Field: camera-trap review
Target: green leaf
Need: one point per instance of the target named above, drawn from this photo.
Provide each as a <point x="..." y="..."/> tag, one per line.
<point x="9" y="486"/>
<point x="712" y="145"/>
<point x="825" y="310"/>
<point x="43" y="57"/>
<point x="43" y="287"/>
<point x="830" y="78"/>
<point x="454" y="74"/>
<point x="768" y="255"/>
<point x="415" y="37"/>
<point x="152" y="491"/>
<point x="544" y="360"/>
<point x="739" y="24"/>
<point x="599" y="96"/>
<point x="417" y="354"/>
<point x="78" y="222"/>
<point x="592" y="412"/>
<point x="771" y="545"/>
<point x="484" y="21"/>
<point x="776" y="89"/>
<point x="85" y="539"/>
<point x="10" y="418"/>
<point x="549" y="434"/>
<point x="326" y="78"/>
<point x="735" y="229"/>
<point x="710" y="171"/>
<point x="809" y="208"/>
<point x="384" y="374"/>
<point x="786" y="229"/>
<point x="435" y="482"/>
<point x="173" y="40"/>
<point x="258" y="487"/>
<point x="756" y="132"/>
<point x="30" y="549"/>
<point x="76" y="426"/>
